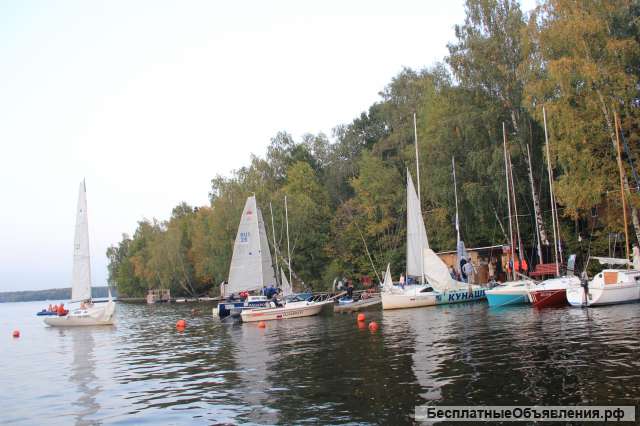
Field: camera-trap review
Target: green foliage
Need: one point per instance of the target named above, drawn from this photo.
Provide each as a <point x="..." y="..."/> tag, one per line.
<point x="346" y="196"/>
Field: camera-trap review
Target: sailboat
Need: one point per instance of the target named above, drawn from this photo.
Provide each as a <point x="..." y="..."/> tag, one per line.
<point x="513" y="292"/>
<point x="435" y="285"/>
<point x="294" y="306"/>
<point x="88" y="313"/>
<point x="611" y="286"/>
<point x="251" y="268"/>
<point x="553" y="292"/>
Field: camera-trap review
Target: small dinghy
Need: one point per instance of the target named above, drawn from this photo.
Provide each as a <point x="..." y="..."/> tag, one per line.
<point x="45" y="312"/>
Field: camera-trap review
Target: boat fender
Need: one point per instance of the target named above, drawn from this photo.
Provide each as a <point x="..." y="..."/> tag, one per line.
<point x="373" y="326"/>
<point x="16" y="333"/>
<point x="181" y="324"/>
<point x="361" y="317"/>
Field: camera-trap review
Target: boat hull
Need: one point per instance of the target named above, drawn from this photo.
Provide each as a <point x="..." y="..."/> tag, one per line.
<point x="460" y="296"/>
<point x="548" y="298"/>
<point x="507" y="299"/>
<point x="294" y="310"/>
<point x="610" y="295"/>
<point x="403" y="301"/>
<point x="360" y="305"/>
<point x="102" y="315"/>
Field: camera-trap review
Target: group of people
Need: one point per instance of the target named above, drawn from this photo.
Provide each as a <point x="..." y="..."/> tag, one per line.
<point x="58" y="309"/>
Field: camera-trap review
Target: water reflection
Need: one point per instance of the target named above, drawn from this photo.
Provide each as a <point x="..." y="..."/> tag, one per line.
<point x="321" y="369"/>
<point x="83" y="375"/>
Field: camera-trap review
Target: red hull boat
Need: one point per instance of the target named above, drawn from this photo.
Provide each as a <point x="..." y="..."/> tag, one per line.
<point x="548" y="298"/>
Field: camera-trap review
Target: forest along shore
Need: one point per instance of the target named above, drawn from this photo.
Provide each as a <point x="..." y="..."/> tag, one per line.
<point x="578" y="61"/>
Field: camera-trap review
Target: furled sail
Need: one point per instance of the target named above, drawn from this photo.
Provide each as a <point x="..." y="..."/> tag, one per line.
<point x="416" y="232"/>
<point x="251" y="267"/>
<point x="81" y="275"/>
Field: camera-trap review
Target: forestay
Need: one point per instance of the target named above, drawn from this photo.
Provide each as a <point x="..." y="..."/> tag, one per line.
<point x="81" y="275"/>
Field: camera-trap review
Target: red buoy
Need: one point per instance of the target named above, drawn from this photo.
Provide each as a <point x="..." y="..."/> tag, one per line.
<point x="373" y="326"/>
<point x="16" y="333"/>
<point x="181" y="324"/>
<point x="262" y="324"/>
<point x="361" y="317"/>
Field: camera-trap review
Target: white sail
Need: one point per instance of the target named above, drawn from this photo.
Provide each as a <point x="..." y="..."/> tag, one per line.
<point x="268" y="273"/>
<point x="251" y="267"/>
<point x="437" y="272"/>
<point x="416" y="232"/>
<point x="81" y="275"/>
<point x="387" y="286"/>
<point x="286" y="286"/>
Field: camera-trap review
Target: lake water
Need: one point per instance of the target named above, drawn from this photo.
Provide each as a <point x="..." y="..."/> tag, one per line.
<point x="321" y="369"/>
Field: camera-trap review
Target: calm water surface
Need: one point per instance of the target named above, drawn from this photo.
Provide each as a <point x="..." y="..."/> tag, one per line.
<point x="319" y="369"/>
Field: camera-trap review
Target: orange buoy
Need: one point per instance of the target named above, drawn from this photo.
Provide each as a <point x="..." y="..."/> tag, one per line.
<point x="262" y="324"/>
<point x="16" y="333"/>
<point x="361" y="317"/>
<point x="181" y="324"/>
<point x="373" y="326"/>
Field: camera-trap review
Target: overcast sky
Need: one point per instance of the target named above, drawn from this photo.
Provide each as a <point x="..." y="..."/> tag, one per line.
<point x="148" y="100"/>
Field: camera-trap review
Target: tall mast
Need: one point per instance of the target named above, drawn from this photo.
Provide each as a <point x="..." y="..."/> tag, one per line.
<point x="515" y="211"/>
<point x="275" y="247"/>
<point x="622" y="194"/>
<point x="415" y="137"/>
<point x="535" y="206"/>
<point x="506" y="175"/>
<point x="556" y="230"/>
<point x="286" y="215"/>
<point x="455" y="193"/>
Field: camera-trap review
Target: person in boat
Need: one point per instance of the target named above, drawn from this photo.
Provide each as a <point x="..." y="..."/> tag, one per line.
<point x="636" y="256"/>
<point x="468" y="271"/>
<point x="350" y="289"/>
<point x="50" y="308"/>
<point x="402" y="281"/>
<point x="492" y="269"/>
<point x="452" y="272"/>
<point x="463" y="269"/>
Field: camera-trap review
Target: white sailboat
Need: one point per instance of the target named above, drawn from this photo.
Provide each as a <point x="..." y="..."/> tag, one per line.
<point x="88" y="313"/>
<point x="251" y="268"/>
<point x="295" y="307"/>
<point x="611" y="286"/>
<point x="435" y="285"/>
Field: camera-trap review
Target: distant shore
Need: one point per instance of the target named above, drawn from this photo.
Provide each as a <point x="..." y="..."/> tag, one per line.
<point x="49" y="294"/>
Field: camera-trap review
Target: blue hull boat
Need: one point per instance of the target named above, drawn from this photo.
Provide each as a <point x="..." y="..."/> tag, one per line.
<point x="496" y="300"/>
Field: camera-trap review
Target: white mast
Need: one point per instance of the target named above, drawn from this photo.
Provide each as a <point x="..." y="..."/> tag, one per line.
<point x="556" y="232"/>
<point x="506" y="174"/>
<point x="286" y="214"/>
<point x="535" y="206"/>
<point x="455" y="193"/>
<point x="515" y="212"/>
<point x="415" y="136"/>
<point x="275" y="247"/>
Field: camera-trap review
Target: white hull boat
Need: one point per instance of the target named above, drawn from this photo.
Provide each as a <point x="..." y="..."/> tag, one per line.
<point x="91" y="314"/>
<point x="609" y="287"/>
<point x="409" y="297"/>
<point x="95" y="315"/>
<point x="290" y="310"/>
